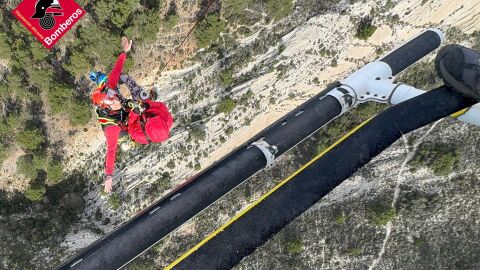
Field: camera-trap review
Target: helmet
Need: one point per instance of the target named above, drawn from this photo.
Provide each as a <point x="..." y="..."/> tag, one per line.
<point x="103" y="97"/>
<point x="98" y="77"/>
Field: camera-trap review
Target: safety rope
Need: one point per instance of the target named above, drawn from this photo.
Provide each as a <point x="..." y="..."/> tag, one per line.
<point x="189" y="33"/>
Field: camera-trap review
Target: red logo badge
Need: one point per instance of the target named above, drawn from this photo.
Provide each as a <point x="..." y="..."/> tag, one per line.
<point x="48" y="20"/>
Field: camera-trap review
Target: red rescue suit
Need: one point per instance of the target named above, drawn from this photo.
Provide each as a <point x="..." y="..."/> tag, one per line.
<point x="153" y="125"/>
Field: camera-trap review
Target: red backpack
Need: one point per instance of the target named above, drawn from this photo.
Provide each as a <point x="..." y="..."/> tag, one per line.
<point x="153" y="125"/>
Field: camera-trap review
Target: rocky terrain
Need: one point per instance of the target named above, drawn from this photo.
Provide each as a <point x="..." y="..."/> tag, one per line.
<point x="413" y="207"/>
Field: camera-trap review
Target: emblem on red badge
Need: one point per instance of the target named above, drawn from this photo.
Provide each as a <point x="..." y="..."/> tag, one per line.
<point x="48" y="20"/>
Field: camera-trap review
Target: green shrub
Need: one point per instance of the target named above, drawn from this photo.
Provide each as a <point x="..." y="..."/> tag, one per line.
<point x="142" y="263"/>
<point x="41" y="78"/>
<point x="279" y="8"/>
<point x="115" y="12"/>
<point x="3" y="151"/>
<point x="88" y="48"/>
<point x="145" y="27"/>
<point x="389" y="5"/>
<point x="171" y="164"/>
<point x="35" y="193"/>
<point x="4" y="129"/>
<point x="78" y="64"/>
<point x="30" y="139"/>
<point x="282" y="70"/>
<point x="114" y="201"/>
<point x="80" y="113"/>
<point x="39" y="161"/>
<point x="54" y="172"/>
<point x="5" y="52"/>
<point x="4" y="91"/>
<point x="21" y="57"/>
<point x="325" y="52"/>
<point x="229" y="130"/>
<point x="395" y="19"/>
<point x="365" y="28"/>
<point x="367" y="110"/>
<point x="226" y="105"/>
<point x="16" y="85"/>
<point x="226" y="77"/>
<point x="171" y="17"/>
<point x="380" y="215"/>
<point x="38" y="51"/>
<point x="246" y="97"/>
<point x="235" y="8"/>
<point x="170" y="22"/>
<point x="163" y="183"/>
<point x="355" y="252"/>
<point x="59" y="97"/>
<point x="341" y="219"/>
<point x="208" y="30"/>
<point x="334" y="62"/>
<point x="439" y="157"/>
<point x="197" y="133"/>
<point x="421" y="75"/>
<point x="16" y="120"/>
<point x="295" y="246"/>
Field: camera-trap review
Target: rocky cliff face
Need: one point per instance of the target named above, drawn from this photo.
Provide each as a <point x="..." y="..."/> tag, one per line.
<point x="414" y="206"/>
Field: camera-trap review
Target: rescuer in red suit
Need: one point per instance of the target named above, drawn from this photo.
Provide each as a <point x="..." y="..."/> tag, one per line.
<point x="140" y="118"/>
